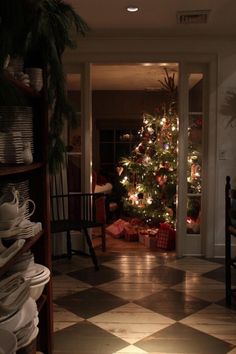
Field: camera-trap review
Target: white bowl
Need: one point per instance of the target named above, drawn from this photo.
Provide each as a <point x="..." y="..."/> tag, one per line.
<point x="37" y="273"/>
<point x="8" y="342"/>
<point x="37" y="289"/>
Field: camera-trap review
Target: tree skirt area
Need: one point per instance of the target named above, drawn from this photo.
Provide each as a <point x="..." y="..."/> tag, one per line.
<point x="120" y="244"/>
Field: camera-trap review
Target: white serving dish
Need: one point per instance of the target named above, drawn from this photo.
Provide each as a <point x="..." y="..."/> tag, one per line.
<point x="37" y="273"/>
<point x="37" y="289"/>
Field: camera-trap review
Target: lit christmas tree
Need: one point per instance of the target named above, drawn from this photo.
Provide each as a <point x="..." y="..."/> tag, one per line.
<point x="150" y="172"/>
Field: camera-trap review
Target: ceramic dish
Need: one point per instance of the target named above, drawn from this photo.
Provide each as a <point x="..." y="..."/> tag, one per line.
<point x="37" y="289"/>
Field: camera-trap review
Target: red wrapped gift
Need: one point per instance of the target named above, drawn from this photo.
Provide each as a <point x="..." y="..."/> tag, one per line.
<point x="131" y="233"/>
<point x="116" y="229"/>
<point x="135" y="221"/>
<point x="166" y="238"/>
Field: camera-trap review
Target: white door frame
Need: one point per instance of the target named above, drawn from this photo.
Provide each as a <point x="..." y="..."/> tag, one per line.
<point x="184" y="61"/>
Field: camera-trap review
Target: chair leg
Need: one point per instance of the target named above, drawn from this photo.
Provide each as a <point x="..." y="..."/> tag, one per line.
<point x="228" y="292"/>
<point x="103" y="238"/>
<point x="68" y="243"/>
<point x="91" y="249"/>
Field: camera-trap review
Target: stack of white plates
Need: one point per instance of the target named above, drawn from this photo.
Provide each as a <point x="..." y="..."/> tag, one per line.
<point x="22" y="187"/>
<point x="14" y="291"/>
<point x="38" y="275"/>
<point x="8" y="342"/>
<point x="2" y="145"/>
<point x="7" y="253"/>
<point x="23" y="323"/>
<point x="23" y="263"/>
<point x="11" y="147"/>
<point x="19" y="119"/>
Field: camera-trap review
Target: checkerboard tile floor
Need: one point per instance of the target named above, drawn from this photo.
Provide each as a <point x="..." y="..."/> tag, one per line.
<point x="142" y="303"/>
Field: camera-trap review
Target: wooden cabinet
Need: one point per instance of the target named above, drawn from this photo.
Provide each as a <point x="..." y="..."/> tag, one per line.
<point x="36" y="177"/>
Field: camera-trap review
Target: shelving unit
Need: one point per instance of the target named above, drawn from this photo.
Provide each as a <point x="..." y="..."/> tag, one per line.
<point x="37" y="175"/>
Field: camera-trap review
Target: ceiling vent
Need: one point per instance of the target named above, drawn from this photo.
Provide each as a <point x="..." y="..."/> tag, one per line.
<point x="192" y="17"/>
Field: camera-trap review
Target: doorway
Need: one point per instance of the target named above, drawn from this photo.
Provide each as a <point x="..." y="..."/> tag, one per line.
<point x="117" y="112"/>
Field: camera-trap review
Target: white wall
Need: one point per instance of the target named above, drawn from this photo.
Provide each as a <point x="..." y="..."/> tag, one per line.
<point x="221" y="53"/>
<point x="226" y="138"/>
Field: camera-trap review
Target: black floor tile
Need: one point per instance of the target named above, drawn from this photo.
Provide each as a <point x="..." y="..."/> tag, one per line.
<point x="103" y="275"/>
<point x="219" y="274"/>
<point x="233" y="303"/>
<point x="179" y="338"/>
<point x="86" y="338"/>
<point x="90" y="302"/>
<point x="173" y="304"/>
<point x="165" y="275"/>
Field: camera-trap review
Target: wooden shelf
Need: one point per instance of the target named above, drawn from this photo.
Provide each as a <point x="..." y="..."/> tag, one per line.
<point x="6" y="170"/>
<point x="38" y="189"/>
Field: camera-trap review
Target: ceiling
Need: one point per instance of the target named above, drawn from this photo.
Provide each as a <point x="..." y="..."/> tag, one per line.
<point x="154" y="18"/>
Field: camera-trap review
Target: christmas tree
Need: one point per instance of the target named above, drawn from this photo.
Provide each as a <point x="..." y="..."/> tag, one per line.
<point x="150" y="171"/>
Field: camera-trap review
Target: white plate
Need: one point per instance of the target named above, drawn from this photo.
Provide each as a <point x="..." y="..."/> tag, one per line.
<point x="11" y="232"/>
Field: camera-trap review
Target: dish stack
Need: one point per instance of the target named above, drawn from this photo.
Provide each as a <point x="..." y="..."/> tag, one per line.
<point x="16" y="124"/>
<point x="36" y="274"/>
<point x="8" y="342"/>
<point x="11" y="147"/>
<point x="15" y="212"/>
<point x="18" y="312"/>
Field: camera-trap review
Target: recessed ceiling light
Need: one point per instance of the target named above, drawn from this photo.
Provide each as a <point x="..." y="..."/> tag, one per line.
<point x="132" y="8"/>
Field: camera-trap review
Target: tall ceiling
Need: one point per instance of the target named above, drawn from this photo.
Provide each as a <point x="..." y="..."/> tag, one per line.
<point x="154" y="18"/>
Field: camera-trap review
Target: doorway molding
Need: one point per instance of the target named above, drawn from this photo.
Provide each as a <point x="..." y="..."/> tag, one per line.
<point x="184" y="60"/>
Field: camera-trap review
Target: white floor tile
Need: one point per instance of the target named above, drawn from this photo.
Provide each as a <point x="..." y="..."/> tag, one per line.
<point x="215" y="320"/>
<point x="202" y="288"/>
<point x="193" y="265"/>
<point x="131" y="322"/>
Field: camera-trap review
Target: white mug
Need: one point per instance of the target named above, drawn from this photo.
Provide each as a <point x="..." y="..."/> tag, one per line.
<point x="23" y="208"/>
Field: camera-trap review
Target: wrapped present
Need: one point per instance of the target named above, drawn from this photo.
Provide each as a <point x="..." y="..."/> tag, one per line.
<point x="136" y="221"/>
<point x="166" y="238"/>
<point x="131" y="233"/>
<point x="150" y="241"/>
<point x="141" y="238"/>
<point x="116" y="229"/>
<point x="152" y="232"/>
<point x="143" y="231"/>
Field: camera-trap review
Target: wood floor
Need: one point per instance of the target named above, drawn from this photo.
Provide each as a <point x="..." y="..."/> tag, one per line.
<point x="141" y="302"/>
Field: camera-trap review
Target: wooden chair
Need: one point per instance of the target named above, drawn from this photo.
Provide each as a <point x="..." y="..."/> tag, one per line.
<point x="75" y="211"/>
<point x="230" y="231"/>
